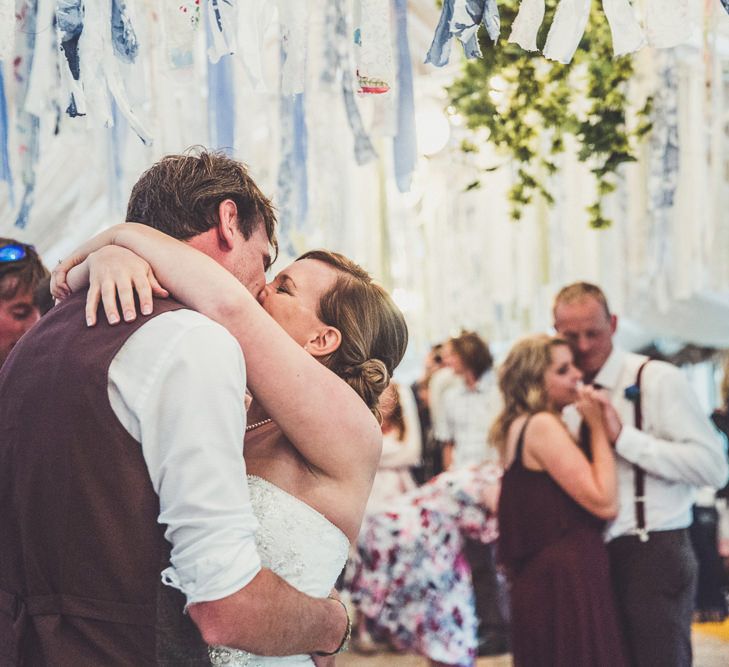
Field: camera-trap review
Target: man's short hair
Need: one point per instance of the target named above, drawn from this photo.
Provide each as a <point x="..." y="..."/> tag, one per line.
<point x="578" y="291"/>
<point x="473" y="351"/>
<point x="180" y="195"/>
<point x="20" y="275"/>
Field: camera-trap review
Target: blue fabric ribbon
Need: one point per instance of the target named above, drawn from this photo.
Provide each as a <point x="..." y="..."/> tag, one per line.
<point x="221" y="101"/>
<point x="123" y="38"/>
<point x="725" y="4"/>
<point x="293" y="186"/>
<point x="70" y="24"/>
<point x="461" y="19"/>
<point x="404" y="144"/>
<point x="5" y="172"/>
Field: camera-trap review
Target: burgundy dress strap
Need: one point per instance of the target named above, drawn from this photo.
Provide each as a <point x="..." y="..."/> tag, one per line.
<point x="519" y="453"/>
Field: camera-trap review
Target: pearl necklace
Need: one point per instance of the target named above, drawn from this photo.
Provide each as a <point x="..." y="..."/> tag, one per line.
<point x="250" y="427"/>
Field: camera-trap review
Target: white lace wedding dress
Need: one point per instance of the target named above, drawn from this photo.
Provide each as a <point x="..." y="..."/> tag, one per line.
<point x="301" y="546"/>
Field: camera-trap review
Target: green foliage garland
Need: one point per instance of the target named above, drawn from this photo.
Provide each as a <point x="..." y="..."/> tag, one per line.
<point x="537" y="102"/>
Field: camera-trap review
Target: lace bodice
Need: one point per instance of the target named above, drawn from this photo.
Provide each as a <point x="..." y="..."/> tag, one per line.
<point x="301" y="546"/>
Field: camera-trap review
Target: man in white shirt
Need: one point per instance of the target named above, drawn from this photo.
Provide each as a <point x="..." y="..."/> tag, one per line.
<point x="176" y="385"/>
<point x="652" y="561"/>
<point x="468" y="408"/>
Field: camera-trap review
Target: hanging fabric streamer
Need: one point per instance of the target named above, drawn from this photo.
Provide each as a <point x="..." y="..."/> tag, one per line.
<point x="567" y="30"/>
<point x="461" y="19"/>
<point x="725" y="4"/>
<point x="41" y="98"/>
<point x="69" y="27"/>
<point x="116" y="159"/>
<point x="5" y="173"/>
<point x="373" y="46"/>
<point x="404" y="144"/>
<point x="293" y="187"/>
<point x="667" y="23"/>
<point x="339" y="65"/>
<point x="27" y="125"/>
<point x="180" y="21"/>
<point x="525" y="28"/>
<point x="7" y="29"/>
<point x="222" y="27"/>
<point x="663" y="175"/>
<point x="293" y="18"/>
<point x="123" y="37"/>
<point x="627" y="34"/>
<point x="221" y="99"/>
<point x="254" y="18"/>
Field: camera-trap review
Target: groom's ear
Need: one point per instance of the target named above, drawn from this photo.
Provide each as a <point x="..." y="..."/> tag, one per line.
<point x="325" y="342"/>
<point x="227" y="223"/>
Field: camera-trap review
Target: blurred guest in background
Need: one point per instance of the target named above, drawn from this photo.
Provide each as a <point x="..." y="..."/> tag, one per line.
<point x="401" y="447"/>
<point x="666" y="450"/>
<point x="431" y="462"/>
<point x="469" y="407"/>
<point x="409" y="579"/>
<point x="555" y="498"/>
<point x="21" y="270"/>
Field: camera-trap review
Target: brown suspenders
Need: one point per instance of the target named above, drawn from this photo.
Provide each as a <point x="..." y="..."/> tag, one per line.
<point x="638" y="472"/>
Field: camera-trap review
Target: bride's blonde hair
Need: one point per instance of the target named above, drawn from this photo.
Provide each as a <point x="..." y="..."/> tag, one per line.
<point x="521" y="381"/>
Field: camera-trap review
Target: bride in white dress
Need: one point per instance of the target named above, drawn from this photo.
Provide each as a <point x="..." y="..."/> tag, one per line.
<point x="318" y="355"/>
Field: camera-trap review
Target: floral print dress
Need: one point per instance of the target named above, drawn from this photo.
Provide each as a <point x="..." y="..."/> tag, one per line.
<point x="409" y="578"/>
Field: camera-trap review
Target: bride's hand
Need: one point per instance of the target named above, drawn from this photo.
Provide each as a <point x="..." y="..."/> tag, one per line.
<point x="60" y="288"/>
<point x="118" y="272"/>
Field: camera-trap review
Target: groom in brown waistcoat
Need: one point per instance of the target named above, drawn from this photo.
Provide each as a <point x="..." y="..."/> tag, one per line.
<point x="123" y="497"/>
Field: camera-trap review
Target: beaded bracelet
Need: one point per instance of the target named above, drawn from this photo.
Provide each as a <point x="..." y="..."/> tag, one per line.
<point x="347" y="632"/>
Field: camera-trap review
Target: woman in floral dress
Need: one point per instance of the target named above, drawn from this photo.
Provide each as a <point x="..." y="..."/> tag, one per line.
<point x="409" y="579"/>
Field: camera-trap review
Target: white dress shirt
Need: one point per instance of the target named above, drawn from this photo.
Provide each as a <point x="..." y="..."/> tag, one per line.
<point x="177" y="386"/>
<point x="468" y="414"/>
<point x="677" y="446"/>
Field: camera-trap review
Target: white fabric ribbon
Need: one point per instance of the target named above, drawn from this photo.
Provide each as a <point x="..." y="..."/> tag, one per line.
<point x="294" y="21"/>
<point x="180" y="33"/>
<point x="223" y="24"/>
<point x="526" y="25"/>
<point x="668" y="22"/>
<point x="567" y="30"/>
<point x="254" y="17"/>
<point x="627" y="34"/>
<point x="100" y="75"/>
<point x="7" y="29"/>
<point x="43" y="82"/>
<point x="374" y="51"/>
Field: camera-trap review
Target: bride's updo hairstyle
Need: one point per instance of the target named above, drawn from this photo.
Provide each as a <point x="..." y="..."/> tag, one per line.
<point x="521" y="381"/>
<point x="374" y="333"/>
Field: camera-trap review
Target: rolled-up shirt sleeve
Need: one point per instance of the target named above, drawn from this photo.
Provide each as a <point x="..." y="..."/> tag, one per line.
<point x="186" y="407"/>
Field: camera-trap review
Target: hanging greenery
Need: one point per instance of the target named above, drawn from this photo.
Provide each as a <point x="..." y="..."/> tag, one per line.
<point x="528" y="105"/>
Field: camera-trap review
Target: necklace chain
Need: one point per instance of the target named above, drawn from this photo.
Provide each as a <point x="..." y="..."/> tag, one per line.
<point x="251" y="427"/>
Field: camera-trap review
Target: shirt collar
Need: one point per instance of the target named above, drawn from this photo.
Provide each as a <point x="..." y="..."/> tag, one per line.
<point x="609" y="375"/>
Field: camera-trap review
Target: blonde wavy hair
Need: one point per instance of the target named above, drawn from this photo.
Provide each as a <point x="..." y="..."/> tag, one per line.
<point x="521" y="381"/>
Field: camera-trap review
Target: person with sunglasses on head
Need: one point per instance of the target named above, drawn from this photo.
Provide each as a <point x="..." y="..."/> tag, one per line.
<point x="21" y="270"/>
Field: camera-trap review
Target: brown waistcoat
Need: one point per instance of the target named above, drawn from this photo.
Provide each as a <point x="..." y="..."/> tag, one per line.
<point x="81" y="551"/>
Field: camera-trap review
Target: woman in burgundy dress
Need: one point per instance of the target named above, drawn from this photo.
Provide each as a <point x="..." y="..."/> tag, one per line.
<point x="555" y="498"/>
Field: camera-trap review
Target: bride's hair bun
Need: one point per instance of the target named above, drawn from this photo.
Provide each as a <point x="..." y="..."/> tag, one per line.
<point x="369" y="379"/>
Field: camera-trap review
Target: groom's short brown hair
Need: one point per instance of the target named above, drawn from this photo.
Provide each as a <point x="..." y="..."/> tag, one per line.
<point x="180" y="195"/>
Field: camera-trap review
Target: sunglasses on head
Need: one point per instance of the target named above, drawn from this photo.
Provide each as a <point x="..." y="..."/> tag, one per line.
<point x="14" y="252"/>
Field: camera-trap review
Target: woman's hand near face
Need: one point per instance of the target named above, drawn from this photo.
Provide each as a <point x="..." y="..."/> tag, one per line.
<point x="590" y="406"/>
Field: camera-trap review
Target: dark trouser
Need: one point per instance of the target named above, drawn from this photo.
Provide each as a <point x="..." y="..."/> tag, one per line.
<point x="491" y="603"/>
<point x="655" y="585"/>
